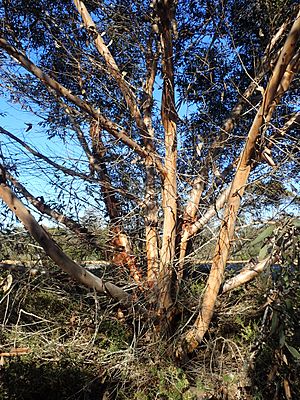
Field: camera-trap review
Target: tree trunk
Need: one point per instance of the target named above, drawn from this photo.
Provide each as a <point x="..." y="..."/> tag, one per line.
<point x="151" y="209"/>
<point x="122" y="251"/>
<point x="165" y="12"/>
<point x="273" y="92"/>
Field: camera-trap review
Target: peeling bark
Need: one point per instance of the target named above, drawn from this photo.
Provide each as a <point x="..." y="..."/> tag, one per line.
<point x="123" y="254"/>
<point x="151" y="208"/>
<point x="77" y="272"/>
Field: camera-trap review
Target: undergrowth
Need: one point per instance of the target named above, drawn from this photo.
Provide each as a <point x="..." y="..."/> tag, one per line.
<point x="82" y="346"/>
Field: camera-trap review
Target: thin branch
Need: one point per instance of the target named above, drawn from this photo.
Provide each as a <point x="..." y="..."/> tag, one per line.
<point x="43" y="208"/>
<point x="105" y="123"/>
<point x="63" y="169"/>
<point x="112" y="66"/>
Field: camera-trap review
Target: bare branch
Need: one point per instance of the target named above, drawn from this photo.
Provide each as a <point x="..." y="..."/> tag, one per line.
<point x="65" y="170"/>
<point x="248" y="273"/>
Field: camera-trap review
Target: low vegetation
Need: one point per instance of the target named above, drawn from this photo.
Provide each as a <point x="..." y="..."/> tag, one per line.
<point x="78" y="345"/>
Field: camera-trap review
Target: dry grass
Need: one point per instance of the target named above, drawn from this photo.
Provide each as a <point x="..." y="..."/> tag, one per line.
<point x="84" y="346"/>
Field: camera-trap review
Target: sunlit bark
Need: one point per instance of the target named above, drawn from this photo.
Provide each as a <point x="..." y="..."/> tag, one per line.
<point x="248" y="273"/>
<point x="111" y="64"/>
<point x="151" y="208"/>
<point x="165" y="12"/>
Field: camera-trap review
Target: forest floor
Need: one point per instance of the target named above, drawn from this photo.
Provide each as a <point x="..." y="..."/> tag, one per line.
<point x="60" y="341"/>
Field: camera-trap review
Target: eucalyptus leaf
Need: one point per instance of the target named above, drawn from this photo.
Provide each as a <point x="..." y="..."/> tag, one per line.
<point x="263" y="253"/>
<point x="294" y="352"/>
<point x="274" y="323"/>
<point x="281" y="338"/>
<point x="296" y="222"/>
<point x="289" y="304"/>
<point x="263" y="235"/>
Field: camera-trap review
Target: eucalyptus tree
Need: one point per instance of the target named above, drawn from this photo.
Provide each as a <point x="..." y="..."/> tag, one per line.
<point x="171" y="103"/>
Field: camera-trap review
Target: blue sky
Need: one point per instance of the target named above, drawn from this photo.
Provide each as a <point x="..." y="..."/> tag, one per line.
<point x="36" y="181"/>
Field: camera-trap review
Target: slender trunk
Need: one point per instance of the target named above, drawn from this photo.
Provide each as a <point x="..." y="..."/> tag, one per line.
<point x="111" y="64"/>
<point x="273" y="92"/>
<point x="165" y="11"/>
<point x="151" y="222"/>
<point x="122" y="251"/>
<point x="99" y="166"/>
<point x="189" y="217"/>
<point x="151" y="210"/>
